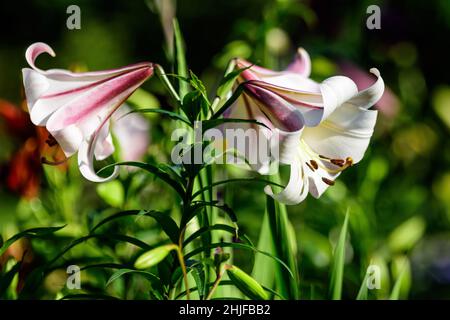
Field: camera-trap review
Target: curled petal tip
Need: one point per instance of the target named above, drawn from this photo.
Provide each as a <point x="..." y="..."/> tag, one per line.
<point x="301" y="51"/>
<point x="301" y="63"/>
<point x="35" y="50"/>
<point x="375" y="72"/>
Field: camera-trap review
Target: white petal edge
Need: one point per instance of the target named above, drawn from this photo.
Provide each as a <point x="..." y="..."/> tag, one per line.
<point x="368" y="97"/>
<point x="297" y="188"/>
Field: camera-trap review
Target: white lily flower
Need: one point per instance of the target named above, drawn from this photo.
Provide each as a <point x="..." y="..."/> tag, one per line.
<point x="321" y="128"/>
<point x="76" y="107"/>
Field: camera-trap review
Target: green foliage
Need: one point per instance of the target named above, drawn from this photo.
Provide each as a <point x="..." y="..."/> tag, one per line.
<point x="213" y="214"/>
<point x="337" y="269"/>
<point x="249" y="286"/>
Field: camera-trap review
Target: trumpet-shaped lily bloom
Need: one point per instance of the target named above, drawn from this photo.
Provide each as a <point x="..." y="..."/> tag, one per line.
<point x="76" y="107"/>
<point x="320" y="128"/>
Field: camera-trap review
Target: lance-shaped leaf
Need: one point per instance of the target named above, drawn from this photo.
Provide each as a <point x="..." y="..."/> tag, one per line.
<point x="154" y="256"/>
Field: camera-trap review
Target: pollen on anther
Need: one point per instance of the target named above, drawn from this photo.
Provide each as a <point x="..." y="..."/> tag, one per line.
<point x="349" y="161"/>
<point x="314" y="164"/>
<point x="338" y="162"/>
<point x="309" y="166"/>
<point x="328" y="181"/>
<point x="51" y="141"/>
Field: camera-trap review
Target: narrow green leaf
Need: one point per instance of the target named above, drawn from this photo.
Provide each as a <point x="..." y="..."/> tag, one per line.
<point x="228" y="81"/>
<point x="229" y="102"/>
<point x="218" y="183"/>
<point x="264" y="268"/>
<point x="168" y="225"/>
<point x="337" y="271"/>
<point x="113" y="237"/>
<point x="7" y="278"/>
<point x="170" y="114"/>
<point x="154" y="256"/>
<point x="180" y="56"/>
<point x="157" y="171"/>
<point x="401" y="268"/>
<point x="222" y="227"/>
<point x="281" y="242"/>
<point x="201" y="204"/>
<point x="103" y="266"/>
<point x="193" y="104"/>
<point x="199" y="275"/>
<point x="30" y="233"/>
<point x="363" y="292"/>
<point x="395" y="294"/>
<point x="119" y="273"/>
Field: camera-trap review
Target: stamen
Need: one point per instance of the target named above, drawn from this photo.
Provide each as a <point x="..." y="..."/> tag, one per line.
<point x="51" y="141"/>
<point x="317" y="161"/>
<point x="349" y="161"/>
<point x="328" y="181"/>
<point x="309" y="166"/>
<point x="52" y="163"/>
<point x="338" y="162"/>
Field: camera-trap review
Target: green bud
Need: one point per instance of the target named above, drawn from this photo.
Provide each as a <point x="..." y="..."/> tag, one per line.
<point x="246" y="284"/>
<point x="154" y="256"/>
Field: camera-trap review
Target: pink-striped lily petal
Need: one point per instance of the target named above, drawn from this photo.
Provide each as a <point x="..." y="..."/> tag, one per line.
<point x="260" y="104"/>
<point x="323" y="128"/>
<point x="301" y="63"/>
<point x="343" y="136"/>
<point x="76" y="107"/>
<point x="316" y="101"/>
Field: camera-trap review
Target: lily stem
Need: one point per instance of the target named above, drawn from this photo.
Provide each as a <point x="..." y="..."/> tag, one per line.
<point x="215" y="285"/>
<point x="182" y="264"/>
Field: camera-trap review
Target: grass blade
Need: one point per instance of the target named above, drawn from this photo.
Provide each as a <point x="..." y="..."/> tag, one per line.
<point x="119" y="273"/>
<point x="281" y="241"/>
<point x="30" y="233"/>
<point x="264" y="269"/>
<point x="363" y="292"/>
<point x="180" y="59"/>
<point x="337" y="271"/>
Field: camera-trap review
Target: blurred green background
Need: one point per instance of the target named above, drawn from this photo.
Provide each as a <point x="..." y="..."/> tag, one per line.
<point x="399" y="195"/>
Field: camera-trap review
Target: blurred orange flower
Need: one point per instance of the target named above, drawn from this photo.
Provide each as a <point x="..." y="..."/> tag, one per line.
<point x="22" y="172"/>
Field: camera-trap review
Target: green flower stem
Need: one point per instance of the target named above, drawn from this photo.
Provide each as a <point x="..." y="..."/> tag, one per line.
<point x="215" y="285"/>
<point x="182" y="264"/>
